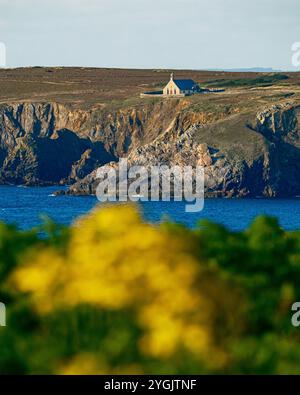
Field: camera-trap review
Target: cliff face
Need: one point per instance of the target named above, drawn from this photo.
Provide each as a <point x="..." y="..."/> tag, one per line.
<point x="50" y="143"/>
<point x="248" y="154"/>
<point x="244" y="153"/>
<point x="39" y="144"/>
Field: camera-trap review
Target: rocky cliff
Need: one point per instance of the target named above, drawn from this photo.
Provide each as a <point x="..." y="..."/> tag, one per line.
<point x="51" y="143"/>
<point x="248" y="154"/>
<point x="252" y="152"/>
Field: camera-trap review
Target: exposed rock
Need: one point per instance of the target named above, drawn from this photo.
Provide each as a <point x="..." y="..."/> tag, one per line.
<point x="259" y="160"/>
<point x="52" y="144"/>
<point x="243" y="153"/>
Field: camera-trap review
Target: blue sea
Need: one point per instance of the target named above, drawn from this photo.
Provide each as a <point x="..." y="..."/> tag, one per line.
<point x="26" y="206"/>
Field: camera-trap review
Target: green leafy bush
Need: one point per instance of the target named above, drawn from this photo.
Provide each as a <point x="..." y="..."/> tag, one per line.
<point x="112" y="294"/>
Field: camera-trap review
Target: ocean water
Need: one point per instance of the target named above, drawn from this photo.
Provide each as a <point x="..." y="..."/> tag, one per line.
<point x="25" y="206"/>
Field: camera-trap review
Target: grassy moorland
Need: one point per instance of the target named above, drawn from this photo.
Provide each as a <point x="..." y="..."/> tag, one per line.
<point x="99" y="298"/>
<point x="95" y="86"/>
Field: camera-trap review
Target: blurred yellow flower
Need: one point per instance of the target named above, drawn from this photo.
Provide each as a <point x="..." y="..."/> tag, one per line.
<point x="116" y="261"/>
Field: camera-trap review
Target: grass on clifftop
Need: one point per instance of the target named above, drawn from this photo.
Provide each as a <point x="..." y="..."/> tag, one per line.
<point x="86" y="87"/>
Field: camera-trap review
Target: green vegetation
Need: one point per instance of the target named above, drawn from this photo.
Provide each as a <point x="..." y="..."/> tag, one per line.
<point x="100" y="298"/>
<point x="264" y="80"/>
<point x="217" y="108"/>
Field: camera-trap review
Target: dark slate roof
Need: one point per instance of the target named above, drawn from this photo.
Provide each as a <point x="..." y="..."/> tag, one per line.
<point x="185" y="84"/>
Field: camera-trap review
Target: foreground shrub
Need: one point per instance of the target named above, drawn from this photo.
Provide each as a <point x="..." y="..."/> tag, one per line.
<point x="113" y="294"/>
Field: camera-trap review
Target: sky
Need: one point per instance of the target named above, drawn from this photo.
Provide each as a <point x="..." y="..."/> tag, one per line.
<point x="179" y="34"/>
